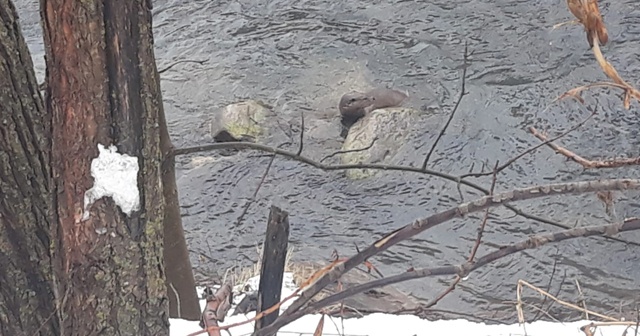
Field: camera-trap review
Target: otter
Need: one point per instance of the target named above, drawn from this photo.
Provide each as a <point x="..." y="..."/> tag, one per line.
<point x="355" y="105"/>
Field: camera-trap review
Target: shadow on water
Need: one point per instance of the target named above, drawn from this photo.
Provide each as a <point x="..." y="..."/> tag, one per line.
<point x="303" y="55"/>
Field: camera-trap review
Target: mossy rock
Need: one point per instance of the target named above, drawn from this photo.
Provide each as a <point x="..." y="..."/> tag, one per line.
<point x="243" y="120"/>
<point x="390" y="127"/>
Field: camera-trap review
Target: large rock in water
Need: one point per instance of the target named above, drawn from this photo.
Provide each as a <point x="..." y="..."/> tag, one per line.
<point x="241" y="121"/>
<point x="390" y="126"/>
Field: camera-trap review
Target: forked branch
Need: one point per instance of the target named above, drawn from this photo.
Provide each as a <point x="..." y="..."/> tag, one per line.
<point x="611" y="163"/>
<point x="420" y="225"/>
<point x="461" y="270"/>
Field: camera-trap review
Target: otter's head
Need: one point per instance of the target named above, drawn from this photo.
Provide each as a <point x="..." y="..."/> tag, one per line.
<point x="353" y="104"/>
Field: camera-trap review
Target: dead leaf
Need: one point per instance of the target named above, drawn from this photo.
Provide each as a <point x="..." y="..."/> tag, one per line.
<point x="588" y="14"/>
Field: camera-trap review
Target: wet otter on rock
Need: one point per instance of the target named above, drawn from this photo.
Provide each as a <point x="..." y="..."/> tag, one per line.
<point x="355" y="105"/>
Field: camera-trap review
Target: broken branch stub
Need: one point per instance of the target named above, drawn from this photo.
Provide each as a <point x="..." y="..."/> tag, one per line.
<point x="217" y="307"/>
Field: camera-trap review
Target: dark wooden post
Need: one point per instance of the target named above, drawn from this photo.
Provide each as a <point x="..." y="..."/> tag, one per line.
<point x="274" y="256"/>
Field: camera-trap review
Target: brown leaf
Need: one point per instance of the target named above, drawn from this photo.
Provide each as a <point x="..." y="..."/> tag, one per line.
<point x="588" y="13"/>
<point x="594" y="23"/>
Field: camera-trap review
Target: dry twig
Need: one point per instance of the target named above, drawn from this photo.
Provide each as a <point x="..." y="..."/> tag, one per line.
<point x="533" y="148"/>
<point x="350" y="150"/>
<point x="533" y="242"/>
<point x="319" y="327"/>
<point x="544" y="300"/>
<point x="455" y="107"/>
<point x="522" y="283"/>
<point x="168" y="67"/>
<point x="474" y="249"/>
<point x="612" y="163"/>
<point x="255" y="193"/>
<point x="582" y="300"/>
<point x="301" y="134"/>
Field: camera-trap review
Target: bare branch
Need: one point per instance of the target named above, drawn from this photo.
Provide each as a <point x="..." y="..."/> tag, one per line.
<point x="460" y="211"/>
<point x="168" y="67"/>
<point x="611" y="163"/>
<point x="350" y="150"/>
<point x="455" y="107"/>
<point x="532" y="149"/>
<point x="474" y="249"/>
<point x="255" y="193"/>
<point x="308" y="161"/>
<point x="582" y="300"/>
<point x="218" y="305"/>
<point x="629" y="224"/>
<point x="301" y="134"/>
<point x="325" y="167"/>
<point x="564" y="303"/>
<point x="544" y="300"/>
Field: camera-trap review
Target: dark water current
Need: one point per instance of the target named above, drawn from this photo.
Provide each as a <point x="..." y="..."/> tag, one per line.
<point x="302" y="55"/>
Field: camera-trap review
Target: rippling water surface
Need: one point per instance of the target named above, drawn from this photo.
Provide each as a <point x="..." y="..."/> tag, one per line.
<point x="301" y="56"/>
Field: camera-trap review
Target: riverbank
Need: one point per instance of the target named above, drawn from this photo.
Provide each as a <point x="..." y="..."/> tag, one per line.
<point x="380" y="324"/>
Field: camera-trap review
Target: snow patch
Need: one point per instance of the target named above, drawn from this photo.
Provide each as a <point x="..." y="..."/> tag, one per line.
<point x="115" y="175"/>
<point x="397" y="325"/>
<point x="253" y="284"/>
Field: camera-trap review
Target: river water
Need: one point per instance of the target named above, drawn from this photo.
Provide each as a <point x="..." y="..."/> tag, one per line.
<point x="301" y="56"/>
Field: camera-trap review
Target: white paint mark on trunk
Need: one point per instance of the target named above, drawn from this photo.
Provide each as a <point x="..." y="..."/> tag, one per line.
<point x="115" y="175"/>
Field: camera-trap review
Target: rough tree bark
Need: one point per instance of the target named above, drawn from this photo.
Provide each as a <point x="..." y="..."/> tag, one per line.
<point x="27" y="305"/>
<point x="60" y="274"/>
<point x="103" y="88"/>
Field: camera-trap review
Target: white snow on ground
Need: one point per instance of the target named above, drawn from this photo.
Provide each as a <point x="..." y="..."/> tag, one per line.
<point x="395" y="325"/>
<point x="115" y="175"/>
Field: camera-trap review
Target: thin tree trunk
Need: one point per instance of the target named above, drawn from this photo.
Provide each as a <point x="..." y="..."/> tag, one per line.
<point x="103" y="89"/>
<point x="27" y="305"/>
<point x="181" y="288"/>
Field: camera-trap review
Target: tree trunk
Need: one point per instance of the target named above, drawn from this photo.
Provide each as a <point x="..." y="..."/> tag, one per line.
<point x="181" y="287"/>
<point x="103" y="89"/>
<point x="27" y="305"/>
<point x="80" y="263"/>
